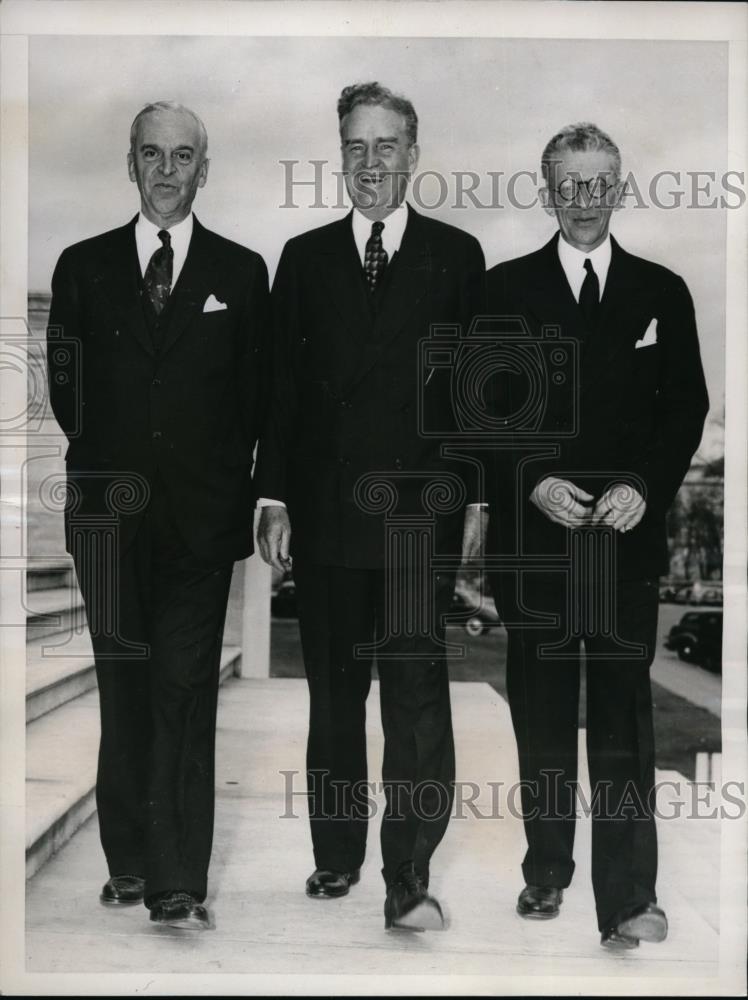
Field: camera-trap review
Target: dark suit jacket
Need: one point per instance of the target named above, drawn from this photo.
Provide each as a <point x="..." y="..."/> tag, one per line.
<point x="346" y="398"/>
<point x="626" y="413"/>
<point x="187" y="409"/>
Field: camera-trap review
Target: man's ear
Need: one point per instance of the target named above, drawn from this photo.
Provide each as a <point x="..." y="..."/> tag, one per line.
<point x="131" y="167"/>
<point x="203" y="175"/>
<point x="545" y="200"/>
<point x="413" y="154"/>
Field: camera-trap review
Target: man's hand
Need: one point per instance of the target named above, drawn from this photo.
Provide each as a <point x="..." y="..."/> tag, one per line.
<point x="621" y="507"/>
<point x="274" y="537"/>
<point x="474" y="533"/>
<point x="560" y="501"/>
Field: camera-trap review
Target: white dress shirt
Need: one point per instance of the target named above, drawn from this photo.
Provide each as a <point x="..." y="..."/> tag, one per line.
<point x="147" y="241"/>
<point x="572" y="261"/>
<point x="392" y="234"/>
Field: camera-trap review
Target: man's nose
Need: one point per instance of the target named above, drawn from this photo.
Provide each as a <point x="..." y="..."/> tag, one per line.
<point x="583" y="197"/>
<point x="371" y="156"/>
<point x="167" y="166"/>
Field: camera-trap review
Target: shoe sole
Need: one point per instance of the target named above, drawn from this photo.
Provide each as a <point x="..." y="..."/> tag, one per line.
<point x="421" y="918"/>
<point x="538" y="916"/>
<point x="185" y="924"/>
<point x="620" y="945"/>
<point x="328" y="895"/>
<point x="646" y="927"/>
<point x="120" y="902"/>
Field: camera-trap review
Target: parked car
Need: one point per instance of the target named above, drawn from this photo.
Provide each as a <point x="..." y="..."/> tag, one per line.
<point x="477" y="612"/>
<point x="682" y="593"/>
<point x="706" y="592"/>
<point x="697" y="638"/>
<point x="668" y="590"/>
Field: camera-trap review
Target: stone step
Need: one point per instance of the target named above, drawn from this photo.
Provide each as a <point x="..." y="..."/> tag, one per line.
<point x="51" y="575"/>
<point x="55" y="611"/>
<point x="58" y="669"/>
<point x="61" y="751"/>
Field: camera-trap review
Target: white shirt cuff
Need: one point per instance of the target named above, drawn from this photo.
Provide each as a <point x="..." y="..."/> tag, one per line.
<point x="264" y="502"/>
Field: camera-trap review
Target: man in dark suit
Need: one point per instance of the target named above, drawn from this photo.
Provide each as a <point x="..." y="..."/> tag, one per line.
<point x="348" y="452"/>
<point x="580" y="502"/>
<point x="155" y="348"/>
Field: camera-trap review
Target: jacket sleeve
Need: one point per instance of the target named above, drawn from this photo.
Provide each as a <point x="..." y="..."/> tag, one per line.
<point x="271" y="475"/>
<point x="65" y="347"/>
<point x="473" y="305"/>
<point x="255" y="361"/>
<point x="682" y="401"/>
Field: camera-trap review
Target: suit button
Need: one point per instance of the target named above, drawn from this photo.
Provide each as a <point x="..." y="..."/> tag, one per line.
<point x="156" y="434"/>
<point x="398" y="463"/>
<point x="156" y="381"/>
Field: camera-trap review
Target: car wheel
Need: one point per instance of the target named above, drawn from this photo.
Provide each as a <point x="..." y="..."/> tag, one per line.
<point x="474" y="627"/>
<point x="686" y="652"/>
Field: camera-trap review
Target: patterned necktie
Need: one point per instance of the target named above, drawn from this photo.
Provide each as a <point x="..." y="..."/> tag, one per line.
<point x="375" y="258"/>
<point x="589" y="296"/>
<point x="158" y="274"/>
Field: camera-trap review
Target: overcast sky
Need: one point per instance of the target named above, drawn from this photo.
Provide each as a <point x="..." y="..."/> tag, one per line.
<point x="483" y="104"/>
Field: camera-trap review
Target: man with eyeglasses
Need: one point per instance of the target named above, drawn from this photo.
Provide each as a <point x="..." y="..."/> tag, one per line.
<point x="580" y="505"/>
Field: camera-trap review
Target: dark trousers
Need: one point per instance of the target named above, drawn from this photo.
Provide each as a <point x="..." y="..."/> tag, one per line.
<point x="156" y="617"/>
<point x="543" y="690"/>
<point x="339" y="609"/>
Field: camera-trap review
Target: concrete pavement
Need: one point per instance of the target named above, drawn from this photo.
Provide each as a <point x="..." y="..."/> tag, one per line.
<point x="265" y="924"/>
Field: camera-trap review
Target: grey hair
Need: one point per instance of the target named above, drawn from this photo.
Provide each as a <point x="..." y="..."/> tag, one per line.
<point x="580" y="137"/>
<point x="169" y="106"/>
<point x="375" y="94"/>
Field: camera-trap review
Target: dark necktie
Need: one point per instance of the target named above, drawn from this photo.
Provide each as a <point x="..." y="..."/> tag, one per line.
<point x="158" y="274"/>
<point x="375" y="258"/>
<point x="589" y="296"/>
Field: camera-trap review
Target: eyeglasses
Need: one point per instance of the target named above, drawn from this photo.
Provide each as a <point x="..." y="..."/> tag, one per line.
<point x="595" y="187"/>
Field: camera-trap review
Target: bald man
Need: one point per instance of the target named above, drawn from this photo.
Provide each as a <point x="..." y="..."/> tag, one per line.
<point x="161" y="408"/>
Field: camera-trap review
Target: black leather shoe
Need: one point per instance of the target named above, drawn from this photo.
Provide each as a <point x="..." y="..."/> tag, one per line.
<point x="408" y="905"/>
<point x="180" y="909"/>
<point x="647" y="923"/>
<point x="614" y="939"/>
<point x="540" y="902"/>
<point x="326" y="884"/>
<point x="122" y="890"/>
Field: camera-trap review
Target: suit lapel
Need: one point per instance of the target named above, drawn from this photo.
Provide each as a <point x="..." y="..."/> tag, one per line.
<point x="195" y="283"/>
<point x="407" y="287"/>
<point x="623" y="297"/>
<point x="409" y="280"/>
<point x="548" y="296"/>
<point x="116" y="277"/>
<point x="341" y="267"/>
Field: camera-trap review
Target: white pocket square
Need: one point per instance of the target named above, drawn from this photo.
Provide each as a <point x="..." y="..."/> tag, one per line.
<point x="650" y="336"/>
<point x="213" y="305"/>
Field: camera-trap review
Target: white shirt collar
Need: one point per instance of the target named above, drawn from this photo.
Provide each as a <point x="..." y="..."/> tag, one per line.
<point x="147" y="241"/>
<point x="392" y="234"/>
<point x="572" y="261"/>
